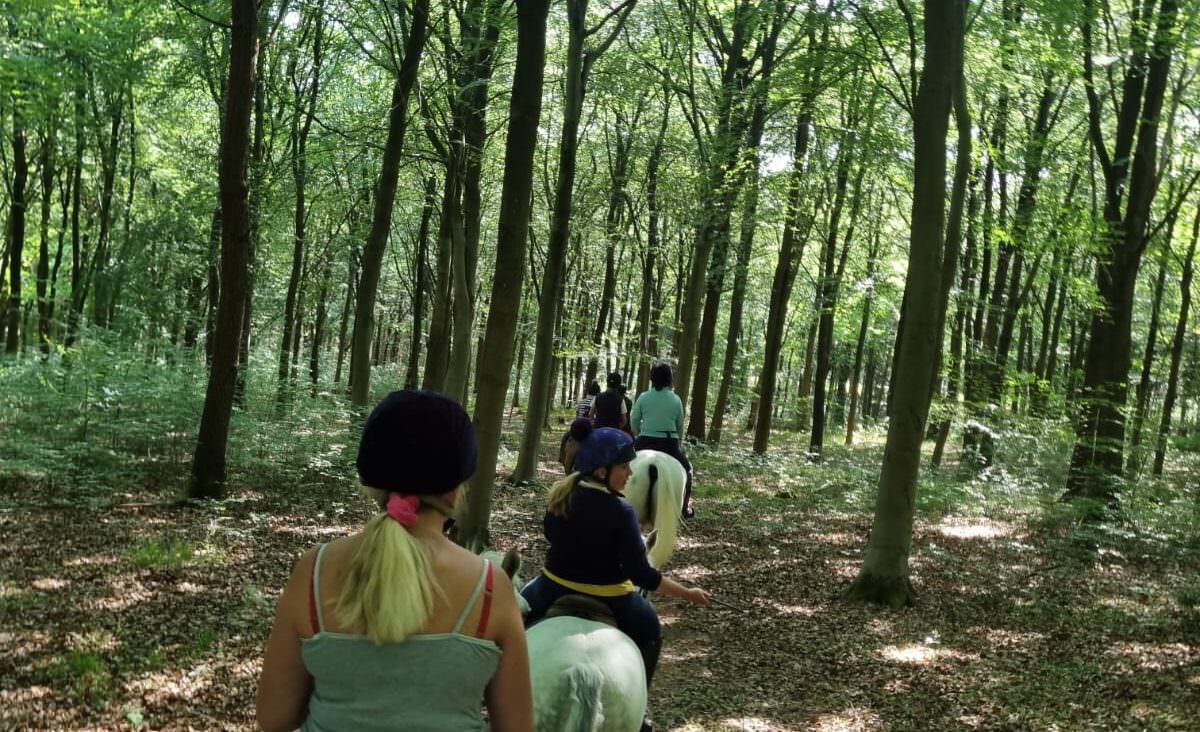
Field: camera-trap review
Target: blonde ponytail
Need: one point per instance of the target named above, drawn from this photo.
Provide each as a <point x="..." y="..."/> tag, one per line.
<point x="560" y="494"/>
<point x="389" y="588"/>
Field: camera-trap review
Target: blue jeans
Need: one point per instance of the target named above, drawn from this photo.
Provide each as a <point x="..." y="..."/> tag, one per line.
<point x="634" y="615"/>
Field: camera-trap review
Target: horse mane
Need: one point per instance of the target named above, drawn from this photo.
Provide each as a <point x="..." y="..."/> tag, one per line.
<point x="666" y="493"/>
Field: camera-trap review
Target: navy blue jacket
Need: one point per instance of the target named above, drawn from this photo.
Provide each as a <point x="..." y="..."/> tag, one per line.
<point x="598" y="542"/>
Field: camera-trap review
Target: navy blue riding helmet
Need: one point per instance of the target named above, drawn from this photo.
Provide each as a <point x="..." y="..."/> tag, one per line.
<point x="601" y="447"/>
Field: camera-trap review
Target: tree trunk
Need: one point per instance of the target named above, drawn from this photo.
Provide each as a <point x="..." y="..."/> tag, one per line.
<point x="827" y="301"/>
<point x="385" y="198"/>
<point x="1185" y="303"/>
<point x="496" y="355"/>
<point x="646" y="310"/>
<point x="1142" y="394"/>
<point x="47" y="164"/>
<point x="437" y="359"/>
<point x="884" y="575"/>
<point x="579" y="64"/>
<point x="791" y="251"/>
<point x="1097" y="459"/>
<point x="861" y="342"/>
<point x="208" y="466"/>
<point x="419" y="285"/>
<point x="16" y="246"/>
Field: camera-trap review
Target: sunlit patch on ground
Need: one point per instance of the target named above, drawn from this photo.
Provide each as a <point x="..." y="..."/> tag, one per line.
<point x="973" y="528"/>
<point x="49" y="584"/>
<point x="23" y="644"/>
<point x="98" y="560"/>
<point x="850" y="720"/>
<point x="924" y="653"/>
<point x="752" y="724"/>
<point x="803" y="611"/>
<point x="1012" y="640"/>
<point x="1154" y="656"/>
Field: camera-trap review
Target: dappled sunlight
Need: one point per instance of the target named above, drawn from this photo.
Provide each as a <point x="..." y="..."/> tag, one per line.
<point x="850" y="720"/>
<point x="979" y="528"/>
<point x="1010" y="640"/>
<point x="1153" y="656"/>
<point x="23" y="644"/>
<point x="126" y="592"/>
<point x="311" y="532"/>
<point x="845" y="569"/>
<point x="781" y="609"/>
<point x="839" y="538"/>
<point x="1129" y="605"/>
<point x="49" y="584"/>
<point x="752" y="724"/>
<point x="677" y="654"/>
<point x="164" y="686"/>
<point x="921" y="654"/>
<point x="98" y="560"/>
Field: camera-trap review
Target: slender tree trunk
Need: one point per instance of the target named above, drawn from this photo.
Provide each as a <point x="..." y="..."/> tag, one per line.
<point x="437" y="357"/>
<point x="791" y="251"/>
<point x="861" y="342"/>
<point x="504" y="310"/>
<point x="1181" y="324"/>
<point x="347" y="307"/>
<point x="541" y="389"/>
<point x="16" y="217"/>
<point x="420" y="285"/>
<point x="1142" y="395"/>
<point x="208" y="466"/>
<point x="884" y="575"/>
<point x="827" y="301"/>
<point x="47" y="164"/>
<point x="385" y="198"/>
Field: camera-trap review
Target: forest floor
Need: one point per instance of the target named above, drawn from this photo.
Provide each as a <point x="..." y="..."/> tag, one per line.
<point x="137" y="613"/>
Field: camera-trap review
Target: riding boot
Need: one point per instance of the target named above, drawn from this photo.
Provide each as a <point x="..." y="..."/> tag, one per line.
<point x="650" y="651"/>
<point x="688" y="511"/>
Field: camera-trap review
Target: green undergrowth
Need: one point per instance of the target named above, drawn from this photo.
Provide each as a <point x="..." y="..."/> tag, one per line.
<point x="101" y="424"/>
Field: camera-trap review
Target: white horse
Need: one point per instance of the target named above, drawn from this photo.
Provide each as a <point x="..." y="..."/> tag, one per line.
<point x="655" y="490"/>
<point x="586" y="675"/>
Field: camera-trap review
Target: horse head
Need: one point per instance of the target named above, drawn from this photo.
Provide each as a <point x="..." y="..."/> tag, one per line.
<point x="510" y="562"/>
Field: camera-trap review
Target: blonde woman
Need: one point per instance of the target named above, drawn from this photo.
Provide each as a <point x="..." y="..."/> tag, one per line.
<point x="396" y="627"/>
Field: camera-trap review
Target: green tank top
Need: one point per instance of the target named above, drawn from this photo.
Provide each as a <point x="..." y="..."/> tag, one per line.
<point x="425" y="683"/>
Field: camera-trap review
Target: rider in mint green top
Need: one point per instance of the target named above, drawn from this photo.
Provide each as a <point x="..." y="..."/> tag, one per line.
<point x="358" y="685"/>
<point x="658" y="413"/>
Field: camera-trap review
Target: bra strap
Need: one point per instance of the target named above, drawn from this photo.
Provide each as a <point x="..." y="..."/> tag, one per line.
<point x="314" y="592"/>
<point x="484" y="583"/>
<point x="487" y="604"/>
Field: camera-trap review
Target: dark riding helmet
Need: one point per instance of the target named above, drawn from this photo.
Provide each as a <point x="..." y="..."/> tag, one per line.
<point x="660" y="375"/>
<point x="416" y="443"/>
<point x="600" y="447"/>
<point x="614" y="380"/>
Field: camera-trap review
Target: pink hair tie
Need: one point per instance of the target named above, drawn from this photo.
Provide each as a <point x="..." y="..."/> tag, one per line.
<point x="403" y="509"/>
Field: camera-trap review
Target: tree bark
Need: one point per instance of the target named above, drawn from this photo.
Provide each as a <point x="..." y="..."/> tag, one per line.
<point x="496" y="355"/>
<point x="1185" y="304"/>
<point x="16" y="240"/>
<point x="208" y="466"/>
<point x="791" y="251"/>
<point x="385" y="198"/>
<point x="578" y="68"/>
<point x="1129" y="174"/>
<point x="884" y="575"/>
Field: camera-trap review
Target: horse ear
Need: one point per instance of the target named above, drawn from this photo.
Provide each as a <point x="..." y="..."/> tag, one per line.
<point x="511" y="563"/>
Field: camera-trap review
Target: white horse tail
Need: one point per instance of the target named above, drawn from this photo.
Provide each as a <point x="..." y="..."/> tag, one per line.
<point x="585" y="711"/>
<point x="667" y="493"/>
